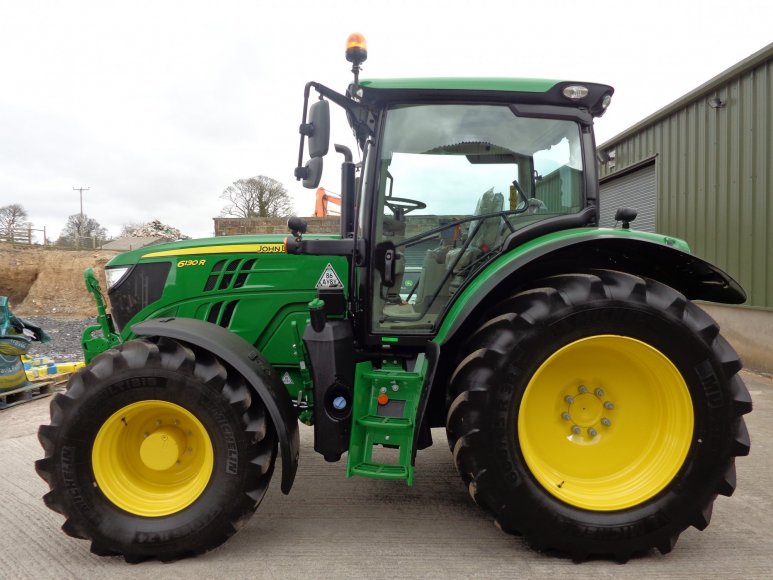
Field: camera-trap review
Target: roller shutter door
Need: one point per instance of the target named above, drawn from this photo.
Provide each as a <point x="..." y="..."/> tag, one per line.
<point x="414" y="255"/>
<point x="637" y="190"/>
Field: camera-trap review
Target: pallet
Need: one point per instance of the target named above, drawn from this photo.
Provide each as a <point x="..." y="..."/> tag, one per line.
<point x="26" y="394"/>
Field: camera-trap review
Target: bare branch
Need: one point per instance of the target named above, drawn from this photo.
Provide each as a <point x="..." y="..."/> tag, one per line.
<point x="258" y="196"/>
<point x="12" y="217"/>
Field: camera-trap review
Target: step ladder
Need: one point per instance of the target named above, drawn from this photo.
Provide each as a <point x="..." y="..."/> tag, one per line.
<point x="384" y="413"/>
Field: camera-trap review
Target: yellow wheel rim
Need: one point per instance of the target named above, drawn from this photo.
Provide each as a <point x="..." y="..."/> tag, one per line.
<point x="605" y="423"/>
<point x="152" y="458"/>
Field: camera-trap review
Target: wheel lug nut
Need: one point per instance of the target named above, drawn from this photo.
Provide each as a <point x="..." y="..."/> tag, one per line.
<point x="606" y="422"/>
<point x="599" y="393"/>
<point x="592" y="432"/>
<point x="565" y="416"/>
<point x="569" y="399"/>
<point x="609" y="405"/>
<point x="582" y="389"/>
<point x="576" y="430"/>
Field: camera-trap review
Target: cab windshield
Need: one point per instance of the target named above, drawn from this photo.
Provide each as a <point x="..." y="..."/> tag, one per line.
<point x="454" y="182"/>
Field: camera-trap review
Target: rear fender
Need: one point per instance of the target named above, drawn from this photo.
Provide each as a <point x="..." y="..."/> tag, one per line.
<point x="642" y="254"/>
<point x="637" y="253"/>
<point x="248" y="362"/>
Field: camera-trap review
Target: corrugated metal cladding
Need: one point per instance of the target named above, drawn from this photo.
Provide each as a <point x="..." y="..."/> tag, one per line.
<point x="714" y="155"/>
<point x="637" y="190"/>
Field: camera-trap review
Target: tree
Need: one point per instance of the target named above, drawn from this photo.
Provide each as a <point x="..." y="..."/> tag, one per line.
<point x="12" y="217"/>
<point x="81" y="231"/>
<point x="258" y="196"/>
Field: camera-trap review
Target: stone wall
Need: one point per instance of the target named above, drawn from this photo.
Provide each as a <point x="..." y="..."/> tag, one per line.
<point x="317" y="225"/>
<point x="241" y="226"/>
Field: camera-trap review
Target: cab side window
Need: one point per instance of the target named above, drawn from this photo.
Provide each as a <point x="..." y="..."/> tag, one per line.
<point x="453" y="182"/>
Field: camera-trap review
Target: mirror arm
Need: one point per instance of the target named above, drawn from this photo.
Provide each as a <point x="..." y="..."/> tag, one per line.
<point x="339" y="99"/>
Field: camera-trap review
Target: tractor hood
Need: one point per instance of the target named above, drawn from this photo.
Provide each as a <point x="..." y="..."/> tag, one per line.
<point x="220" y="244"/>
<point x="232" y="281"/>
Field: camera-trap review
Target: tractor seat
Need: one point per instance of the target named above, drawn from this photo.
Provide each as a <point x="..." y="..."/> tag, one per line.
<point x="437" y="262"/>
<point x="393" y="227"/>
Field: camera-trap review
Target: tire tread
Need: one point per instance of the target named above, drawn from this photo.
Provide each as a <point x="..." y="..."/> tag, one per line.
<point x="550" y="297"/>
<point x="176" y="356"/>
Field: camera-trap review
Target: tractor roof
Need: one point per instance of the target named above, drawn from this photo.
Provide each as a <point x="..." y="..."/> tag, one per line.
<point x="594" y="97"/>
<point x="464" y="84"/>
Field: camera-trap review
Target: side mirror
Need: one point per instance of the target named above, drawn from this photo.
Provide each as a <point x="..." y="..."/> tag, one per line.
<point x="319" y="136"/>
<point x="311" y="173"/>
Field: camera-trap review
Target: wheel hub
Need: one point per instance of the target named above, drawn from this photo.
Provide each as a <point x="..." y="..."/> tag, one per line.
<point x="605" y="422"/>
<point x="152" y="458"/>
<point x="163" y="448"/>
<point x="588" y="413"/>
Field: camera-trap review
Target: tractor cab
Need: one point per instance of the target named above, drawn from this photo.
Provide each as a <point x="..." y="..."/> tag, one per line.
<point x="454" y="181"/>
<point x="452" y="169"/>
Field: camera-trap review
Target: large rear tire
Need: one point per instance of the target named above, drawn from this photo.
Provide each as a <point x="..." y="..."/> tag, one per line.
<point x="156" y="450"/>
<point x="598" y="415"/>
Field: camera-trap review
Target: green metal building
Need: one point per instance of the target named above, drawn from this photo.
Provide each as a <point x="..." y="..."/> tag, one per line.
<point x="702" y="169"/>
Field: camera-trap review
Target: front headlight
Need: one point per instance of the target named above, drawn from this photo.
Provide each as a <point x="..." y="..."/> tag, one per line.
<point x="114" y="275"/>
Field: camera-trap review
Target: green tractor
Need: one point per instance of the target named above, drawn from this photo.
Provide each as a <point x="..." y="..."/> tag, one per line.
<point x="589" y="404"/>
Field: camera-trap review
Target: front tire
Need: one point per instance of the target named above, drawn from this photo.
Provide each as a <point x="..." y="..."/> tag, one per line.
<point x="598" y="415"/>
<point x="156" y="450"/>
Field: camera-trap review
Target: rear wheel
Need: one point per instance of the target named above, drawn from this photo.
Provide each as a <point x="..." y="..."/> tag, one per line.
<point x="156" y="450"/>
<point x="598" y="414"/>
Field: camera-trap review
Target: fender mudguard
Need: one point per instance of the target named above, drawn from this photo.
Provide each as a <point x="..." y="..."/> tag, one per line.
<point x="247" y="361"/>
<point x="643" y="254"/>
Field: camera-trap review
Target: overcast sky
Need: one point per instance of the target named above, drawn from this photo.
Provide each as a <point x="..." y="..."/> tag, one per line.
<point x="159" y="106"/>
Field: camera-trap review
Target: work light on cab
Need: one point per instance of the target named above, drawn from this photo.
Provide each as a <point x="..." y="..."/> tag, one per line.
<point x="575" y="92"/>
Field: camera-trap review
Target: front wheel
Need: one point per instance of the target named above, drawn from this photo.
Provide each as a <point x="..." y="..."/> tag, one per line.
<point x="156" y="450"/>
<point x="598" y="414"/>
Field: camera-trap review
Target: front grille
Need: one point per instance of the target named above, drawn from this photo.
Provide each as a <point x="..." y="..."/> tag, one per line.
<point x="142" y="286"/>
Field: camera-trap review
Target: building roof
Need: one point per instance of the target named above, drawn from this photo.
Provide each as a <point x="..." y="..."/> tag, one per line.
<point x="704" y="90"/>
<point x="132" y="243"/>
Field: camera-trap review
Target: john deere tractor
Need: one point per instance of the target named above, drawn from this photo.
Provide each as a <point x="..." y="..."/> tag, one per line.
<point x="589" y="404"/>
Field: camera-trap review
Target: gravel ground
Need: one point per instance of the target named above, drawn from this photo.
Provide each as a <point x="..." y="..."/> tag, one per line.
<point x="65" y="343"/>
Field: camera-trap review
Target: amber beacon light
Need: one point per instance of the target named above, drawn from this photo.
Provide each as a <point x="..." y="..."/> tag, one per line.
<point x="356" y="48"/>
<point x="356" y="53"/>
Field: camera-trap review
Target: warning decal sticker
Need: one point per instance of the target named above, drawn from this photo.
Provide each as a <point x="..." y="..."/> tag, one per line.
<point x="329" y="278"/>
<point x="286" y="379"/>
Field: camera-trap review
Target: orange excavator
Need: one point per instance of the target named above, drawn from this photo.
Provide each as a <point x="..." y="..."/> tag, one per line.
<point x="323" y="199"/>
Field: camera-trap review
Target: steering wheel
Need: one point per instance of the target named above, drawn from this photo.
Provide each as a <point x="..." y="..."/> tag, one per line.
<point x="402" y="205"/>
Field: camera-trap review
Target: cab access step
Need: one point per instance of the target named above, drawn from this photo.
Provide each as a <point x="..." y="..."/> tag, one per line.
<point x="386" y="400"/>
